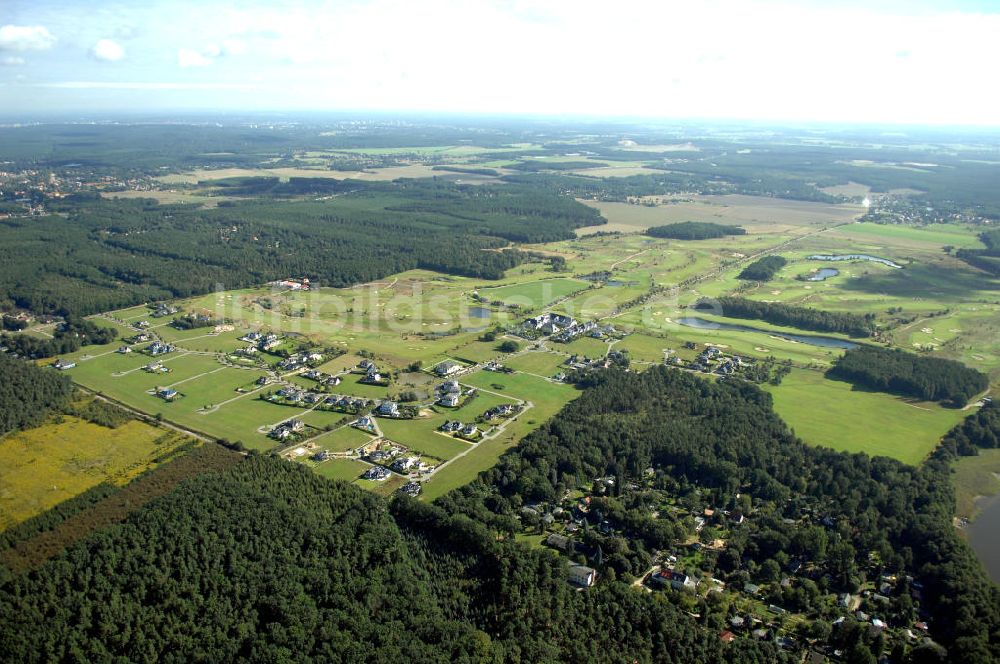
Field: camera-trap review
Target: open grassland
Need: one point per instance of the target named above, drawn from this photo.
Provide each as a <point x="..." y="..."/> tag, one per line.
<point x="340" y="469"/>
<point x="755" y="213"/>
<point x="932" y="236"/>
<point x="542" y="363"/>
<point x="535" y="294"/>
<point x="832" y="414"/>
<point x="44" y="466"/>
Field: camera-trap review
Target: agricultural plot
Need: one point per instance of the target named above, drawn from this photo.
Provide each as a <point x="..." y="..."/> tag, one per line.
<point x="340" y="469"/>
<point x="832" y="414"/>
<point x="542" y="363"/>
<point x="44" y="466"/>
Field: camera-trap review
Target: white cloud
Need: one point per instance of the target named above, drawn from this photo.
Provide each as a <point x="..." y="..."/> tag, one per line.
<point x="188" y="58"/>
<point x="11" y="61"/>
<point x="234" y="47"/>
<point x="25" y="38"/>
<point x="108" y="51"/>
<point x="143" y="85"/>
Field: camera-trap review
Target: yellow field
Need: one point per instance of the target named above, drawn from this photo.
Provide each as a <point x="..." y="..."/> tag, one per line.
<point x="374" y="174"/>
<point x="42" y="467"/>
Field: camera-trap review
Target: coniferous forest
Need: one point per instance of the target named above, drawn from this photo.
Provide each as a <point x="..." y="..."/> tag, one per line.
<point x="268" y="561"/>
<point x="907" y="374"/>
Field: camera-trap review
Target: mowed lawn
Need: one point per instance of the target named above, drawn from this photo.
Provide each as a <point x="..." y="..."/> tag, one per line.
<point x="534" y="294"/>
<point x="830" y="413"/>
<point x="340" y="469"/>
<point x="541" y="363"/>
<point x="46" y="465"/>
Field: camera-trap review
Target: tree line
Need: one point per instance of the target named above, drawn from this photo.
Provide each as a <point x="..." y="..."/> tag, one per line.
<point x="806" y="318"/>
<point x="29" y="393"/>
<point x="899" y="372"/>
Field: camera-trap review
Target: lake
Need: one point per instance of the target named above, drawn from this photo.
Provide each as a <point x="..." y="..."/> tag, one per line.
<point x="822" y="342"/>
<point x="479" y="312"/>
<point x="823" y="273"/>
<point x="856" y="257"/>
<point x="984" y="535"/>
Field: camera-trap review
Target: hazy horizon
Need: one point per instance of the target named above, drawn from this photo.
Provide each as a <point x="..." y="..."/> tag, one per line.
<point x="880" y="63"/>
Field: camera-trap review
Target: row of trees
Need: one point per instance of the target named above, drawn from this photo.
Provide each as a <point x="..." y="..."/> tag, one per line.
<point x="899" y="372"/>
<point x="68" y="336"/>
<point x="805" y="318"/>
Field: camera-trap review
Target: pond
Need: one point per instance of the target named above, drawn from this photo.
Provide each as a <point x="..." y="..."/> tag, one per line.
<point x="479" y="312"/>
<point x="822" y="274"/>
<point x="984" y="535"/>
<point x="856" y="257"/>
<point x="822" y="342"/>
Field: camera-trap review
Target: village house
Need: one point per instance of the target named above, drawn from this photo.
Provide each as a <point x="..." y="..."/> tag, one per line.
<point x="159" y="348"/>
<point x="583" y="576"/>
<point x="376" y="474"/>
<point x="411" y="489"/>
<point x="63" y="365"/>
<point x="166" y="393"/>
<point x="364" y="423"/>
<point x="451" y="426"/>
<point x="405" y="464"/>
<point x="388" y="409"/>
<point x="124" y="350"/>
<point x="447" y="368"/>
<point x="449" y="400"/>
<point x="676" y="580"/>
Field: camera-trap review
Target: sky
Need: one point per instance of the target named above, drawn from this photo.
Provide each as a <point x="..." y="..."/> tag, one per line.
<point x="874" y="61"/>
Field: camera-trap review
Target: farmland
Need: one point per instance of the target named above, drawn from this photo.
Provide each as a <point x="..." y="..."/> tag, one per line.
<point x="44" y="466"/>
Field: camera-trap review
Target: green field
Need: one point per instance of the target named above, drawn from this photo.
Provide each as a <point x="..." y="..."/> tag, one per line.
<point x="534" y="294"/>
<point x="832" y="414"/>
<point x="340" y="469"/>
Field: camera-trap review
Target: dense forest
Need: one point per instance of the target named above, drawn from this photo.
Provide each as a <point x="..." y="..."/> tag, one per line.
<point x="106" y="254"/>
<point x="899" y="372"/>
<point x="763" y="269"/>
<point x="269" y="562"/>
<point x="28" y="393"/>
<point x="987" y="259"/>
<point x="721" y="445"/>
<point x="694" y="230"/>
<point x="981" y="429"/>
<point x="806" y="318"/>
<point x="68" y="336"/>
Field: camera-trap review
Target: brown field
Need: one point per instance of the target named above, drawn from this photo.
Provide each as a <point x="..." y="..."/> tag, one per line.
<point x="758" y="214"/>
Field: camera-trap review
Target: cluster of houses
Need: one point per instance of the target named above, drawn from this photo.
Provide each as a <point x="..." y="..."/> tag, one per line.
<point x="502" y="411"/>
<point x="162" y="310"/>
<point x="468" y="431"/>
<point x="723" y="365"/>
<point x="293" y="395"/>
<point x="299" y="360"/>
<point x="372" y="374"/>
<point x="261" y="341"/>
<point x="449" y="394"/>
<point x="291" y="284"/>
<point x="158" y="348"/>
<point x="324" y="379"/>
<point x="287" y="429"/>
<point x="548" y="324"/>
